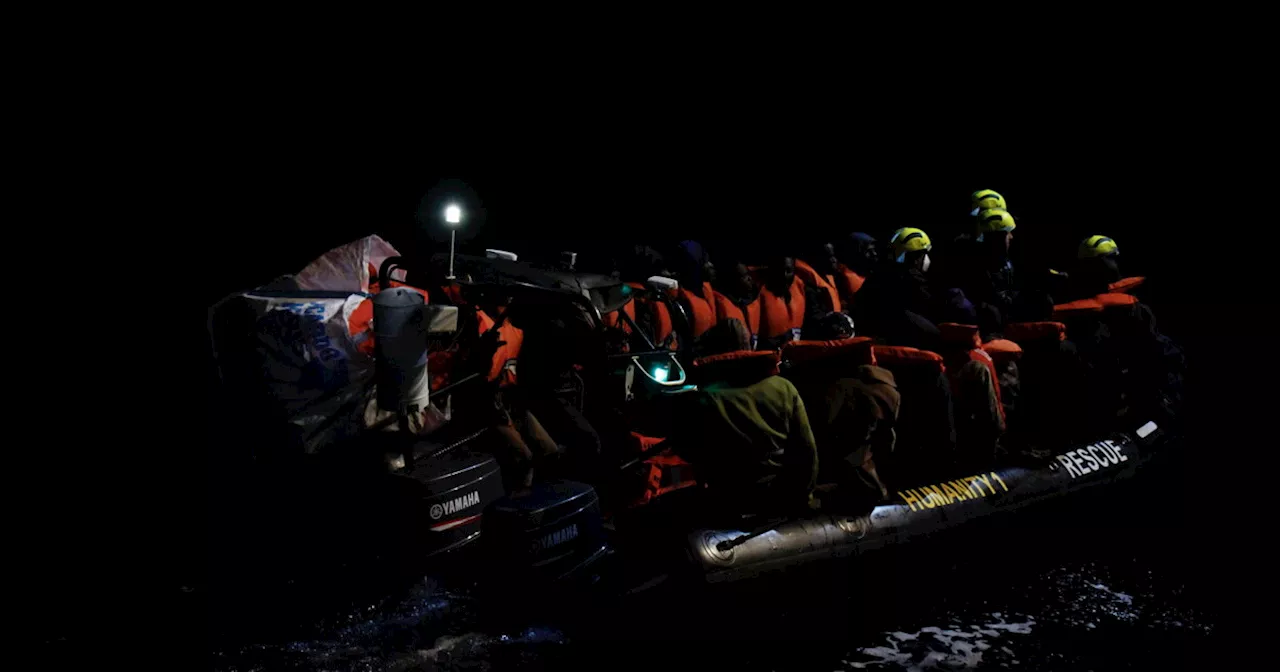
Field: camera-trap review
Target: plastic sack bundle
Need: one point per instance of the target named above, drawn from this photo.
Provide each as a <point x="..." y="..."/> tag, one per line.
<point x="294" y="346"/>
<point x="351" y="267"/>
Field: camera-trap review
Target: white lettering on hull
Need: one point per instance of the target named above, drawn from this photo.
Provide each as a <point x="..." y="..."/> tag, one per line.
<point x="1095" y="457"/>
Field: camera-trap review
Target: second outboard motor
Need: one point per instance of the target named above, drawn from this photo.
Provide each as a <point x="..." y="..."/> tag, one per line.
<point x="552" y="532"/>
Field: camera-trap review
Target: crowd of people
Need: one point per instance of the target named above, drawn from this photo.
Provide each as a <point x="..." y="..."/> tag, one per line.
<point x="1013" y="354"/>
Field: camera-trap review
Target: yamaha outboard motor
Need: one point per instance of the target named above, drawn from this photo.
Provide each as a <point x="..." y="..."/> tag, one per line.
<point x="446" y="492"/>
<point x="550" y="533"/>
<point x="441" y="486"/>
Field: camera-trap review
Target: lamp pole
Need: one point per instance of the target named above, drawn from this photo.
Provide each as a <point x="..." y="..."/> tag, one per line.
<point x="452" y="216"/>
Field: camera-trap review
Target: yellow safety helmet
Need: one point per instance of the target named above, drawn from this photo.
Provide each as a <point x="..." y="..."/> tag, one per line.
<point x="1097" y="246"/>
<point x="995" y="220"/>
<point x="986" y="199"/>
<point x="906" y="240"/>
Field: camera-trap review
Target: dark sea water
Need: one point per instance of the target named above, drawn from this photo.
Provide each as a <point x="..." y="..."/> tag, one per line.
<point x="1099" y="584"/>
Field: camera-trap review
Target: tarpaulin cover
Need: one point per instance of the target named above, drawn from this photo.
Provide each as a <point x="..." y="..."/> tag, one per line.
<point x="296" y="344"/>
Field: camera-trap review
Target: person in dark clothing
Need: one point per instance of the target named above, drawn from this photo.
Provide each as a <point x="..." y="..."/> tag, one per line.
<point x="983" y="269"/>
<point x="1097" y="266"/>
<point x="896" y="303"/>
<point x="862" y="411"/>
<point x="853" y="414"/>
<point x="1128" y="355"/>
<point x="560" y="340"/>
<point x="860" y="253"/>
<point x="856" y="257"/>
<point x="693" y="265"/>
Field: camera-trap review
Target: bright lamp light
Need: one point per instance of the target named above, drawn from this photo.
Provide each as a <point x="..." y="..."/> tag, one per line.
<point x="453" y="214"/>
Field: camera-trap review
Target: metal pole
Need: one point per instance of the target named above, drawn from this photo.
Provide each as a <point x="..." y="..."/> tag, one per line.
<point x="453" y="233"/>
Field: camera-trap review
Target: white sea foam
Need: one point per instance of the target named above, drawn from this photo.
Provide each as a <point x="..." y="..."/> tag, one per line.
<point x="962" y="650"/>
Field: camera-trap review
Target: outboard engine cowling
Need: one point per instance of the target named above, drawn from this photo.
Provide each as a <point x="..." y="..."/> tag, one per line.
<point x="448" y="493"/>
<point x="551" y="532"/>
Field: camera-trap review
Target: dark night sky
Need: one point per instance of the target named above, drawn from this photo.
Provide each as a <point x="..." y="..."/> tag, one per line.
<point x="299" y="199"/>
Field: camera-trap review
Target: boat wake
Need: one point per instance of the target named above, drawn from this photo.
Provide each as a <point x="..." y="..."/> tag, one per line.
<point x="1069" y="617"/>
<point x="934" y="647"/>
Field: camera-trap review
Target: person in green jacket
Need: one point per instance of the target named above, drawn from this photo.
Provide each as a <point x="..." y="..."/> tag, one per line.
<point x="748" y="435"/>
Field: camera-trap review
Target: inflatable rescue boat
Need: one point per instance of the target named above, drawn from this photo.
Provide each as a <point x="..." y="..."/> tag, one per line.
<point x="449" y="492"/>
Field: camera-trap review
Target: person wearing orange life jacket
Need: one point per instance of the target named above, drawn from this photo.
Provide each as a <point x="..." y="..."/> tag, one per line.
<point x="819" y="280"/>
<point x="737" y="297"/>
<point x="651" y="315"/>
<point x="976" y="396"/>
<point x="696" y="274"/>
<point x="856" y="257"/>
<point x="783" y="304"/>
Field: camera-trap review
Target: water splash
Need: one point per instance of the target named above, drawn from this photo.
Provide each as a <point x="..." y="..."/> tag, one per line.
<point x="935" y="647"/>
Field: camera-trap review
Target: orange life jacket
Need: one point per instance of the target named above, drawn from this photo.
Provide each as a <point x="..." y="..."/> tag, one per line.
<point x="778" y="317"/>
<point x="890" y="356"/>
<point x="1023" y="332"/>
<point x="666" y="472"/>
<point x="1126" y="285"/>
<point x="440" y="364"/>
<point x="504" y="359"/>
<point x="1002" y="351"/>
<point x="702" y="308"/>
<point x="615" y="320"/>
<point x="1110" y="300"/>
<point x="1094" y="305"/>
<point x="748" y="315"/>
<point x="663" y="335"/>
<point x="360" y="323"/>
<point x="853" y="351"/>
<point x="754" y="364"/>
<point x="848" y="283"/>
<point x="812" y="278"/>
<point x="966" y="346"/>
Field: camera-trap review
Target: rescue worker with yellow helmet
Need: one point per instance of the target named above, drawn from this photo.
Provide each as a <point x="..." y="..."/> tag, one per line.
<point x="1095" y="247"/>
<point x="896" y="302"/>
<point x="983" y="268"/>
<point x="985" y="199"/>
<point x="1097" y="266"/>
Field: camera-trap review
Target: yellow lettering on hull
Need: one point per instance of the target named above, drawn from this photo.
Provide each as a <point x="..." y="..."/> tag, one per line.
<point x="950" y="492"/>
